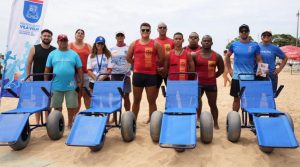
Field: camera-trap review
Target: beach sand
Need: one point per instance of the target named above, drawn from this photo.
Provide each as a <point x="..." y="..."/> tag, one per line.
<point x="41" y="151"/>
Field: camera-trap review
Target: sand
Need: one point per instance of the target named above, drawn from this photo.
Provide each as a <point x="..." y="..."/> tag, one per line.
<point x="41" y="151"/>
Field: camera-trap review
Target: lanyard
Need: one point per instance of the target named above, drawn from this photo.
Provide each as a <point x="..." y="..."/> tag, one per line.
<point x="99" y="65"/>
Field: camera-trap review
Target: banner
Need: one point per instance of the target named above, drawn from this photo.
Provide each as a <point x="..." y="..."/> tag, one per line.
<point x="25" y="25"/>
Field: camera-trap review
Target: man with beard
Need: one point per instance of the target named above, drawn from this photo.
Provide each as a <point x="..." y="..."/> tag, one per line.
<point x="246" y="55"/>
<point x="37" y="59"/>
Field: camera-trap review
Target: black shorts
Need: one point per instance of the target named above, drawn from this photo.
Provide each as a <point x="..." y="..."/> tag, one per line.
<point x="207" y="88"/>
<point x="160" y="80"/>
<point x="144" y="80"/>
<point x="235" y="88"/>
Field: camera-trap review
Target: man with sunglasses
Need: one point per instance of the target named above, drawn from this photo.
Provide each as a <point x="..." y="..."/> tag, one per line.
<point x="62" y="61"/>
<point x="269" y="52"/>
<point x="246" y="55"/>
<point x="144" y="53"/>
<point x="193" y="43"/>
<point x="167" y="44"/>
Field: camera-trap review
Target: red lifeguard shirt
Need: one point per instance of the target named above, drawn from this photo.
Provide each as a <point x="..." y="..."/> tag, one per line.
<point x="144" y="57"/>
<point x="193" y="50"/>
<point x="206" y="68"/>
<point x="83" y="54"/>
<point x="167" y="44"/>
<point x="178" y="63"/>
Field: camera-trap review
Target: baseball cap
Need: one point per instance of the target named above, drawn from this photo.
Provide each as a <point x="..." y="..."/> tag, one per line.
<point x="266" y="31"/>
<point x="100" y="39"/>
<point x="244" y="26"/>
<point x="120" y="32"/>
<point x="62" y="37"/>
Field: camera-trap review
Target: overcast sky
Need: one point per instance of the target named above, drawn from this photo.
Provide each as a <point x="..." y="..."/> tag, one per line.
<point x="218" y="18"/>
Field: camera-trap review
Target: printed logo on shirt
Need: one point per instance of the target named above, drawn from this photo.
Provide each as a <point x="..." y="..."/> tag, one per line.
<point x="148" y="56"/>
<point x="211" y="68"/>
<point x="167" y="48"/>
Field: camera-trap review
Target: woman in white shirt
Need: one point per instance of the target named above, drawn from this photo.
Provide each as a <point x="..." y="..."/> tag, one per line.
<point x="99" y="62"/>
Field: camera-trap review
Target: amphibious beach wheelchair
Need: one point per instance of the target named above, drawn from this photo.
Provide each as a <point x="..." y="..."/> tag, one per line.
<point x="15" y="127"/>
<point x="90" y="126"/>
<point x="177" y="126"/>
<point x="273" y="128"/>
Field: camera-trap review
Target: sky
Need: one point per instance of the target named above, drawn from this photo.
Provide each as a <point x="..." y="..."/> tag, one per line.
<point x="218" y="18"/>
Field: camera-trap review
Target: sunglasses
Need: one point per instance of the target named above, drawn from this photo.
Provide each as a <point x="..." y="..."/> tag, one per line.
<point x="145" y="30"/>
<point x="266" y="35"/>
<point x="100" y="43"/>
<point x="193" y="37"/>
<point x="244" y="31"/>
<point x="164" y="28"/>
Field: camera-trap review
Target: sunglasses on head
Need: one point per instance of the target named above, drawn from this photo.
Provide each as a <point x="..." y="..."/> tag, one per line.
<point x="145" y="30"/>
<point x="164" y="28"/>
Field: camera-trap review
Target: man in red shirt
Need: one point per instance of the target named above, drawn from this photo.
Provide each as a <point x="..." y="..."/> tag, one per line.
<point x="206" y="61"/>
<point x="178" y="59"/>
<point x="144" y="53"/>
<point x="167" y="44"/>
<point x="193" y="43"/>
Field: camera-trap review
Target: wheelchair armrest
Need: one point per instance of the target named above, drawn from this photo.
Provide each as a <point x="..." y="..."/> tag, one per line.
<point x="163" y="89"/>
<point x="87" y="91"/>
<point x="9" y="90"/>
<point x="121" y="91"/>
<point x="278" y="91"/>
<point x="242" y="91"/>
<point x="46" y="91"/>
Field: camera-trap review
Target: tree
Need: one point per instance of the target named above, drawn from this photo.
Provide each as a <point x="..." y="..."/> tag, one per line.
<point x="284" y="39"/>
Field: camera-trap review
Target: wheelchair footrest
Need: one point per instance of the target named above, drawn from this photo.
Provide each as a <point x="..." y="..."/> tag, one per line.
<point x="87" y="131"/>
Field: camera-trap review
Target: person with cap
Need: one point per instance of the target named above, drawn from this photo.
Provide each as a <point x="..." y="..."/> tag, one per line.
<point x="64" y="61"/>
<point x="167" y="44"/>
<point x="121" y="66"/>
<point x="83" y="50"/>
<point x="269" y="52"/>
<point x="145" y="53"/>
<point x="246" y="55"/>
<point x="37" y="58"/>
<point x="193" y="43"/>
<point x="209" y="66"/>
<point x="99" y="62"/>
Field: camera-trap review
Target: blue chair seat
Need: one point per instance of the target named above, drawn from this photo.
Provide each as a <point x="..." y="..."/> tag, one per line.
<point x="30" y="110"/>
<point x="101" y="110"/>
<point x="262" y="111"/>
<point x="181" y="110"/>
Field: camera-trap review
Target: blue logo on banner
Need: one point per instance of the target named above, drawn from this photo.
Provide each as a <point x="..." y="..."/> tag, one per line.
<point x="32" y="10"/>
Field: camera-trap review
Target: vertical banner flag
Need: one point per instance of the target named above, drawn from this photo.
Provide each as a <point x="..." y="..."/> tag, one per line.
<point x="25" y="25"/>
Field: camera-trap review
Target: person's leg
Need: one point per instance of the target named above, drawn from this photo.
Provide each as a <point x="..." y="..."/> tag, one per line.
<point x="138" y="87"/>
<point x="79" y="100"/>
<point x="37" y="117"/>
<point x="137" y="96"/>
<point x="72" y="104"/>
<point x="151" y="92"/>
<point x="201" y="91"/>
<point x="234" y="91"/>
<point x="274" y="79"/>
<point x="57" y="100"/>
<point x="86" y="97"/>
<point x="159" y="82"/>
<point x="127" y="90"/>
<point x="212" y="102"/>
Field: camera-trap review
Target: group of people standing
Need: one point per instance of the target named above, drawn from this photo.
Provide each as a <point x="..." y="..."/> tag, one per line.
<point x="78" y="64"/>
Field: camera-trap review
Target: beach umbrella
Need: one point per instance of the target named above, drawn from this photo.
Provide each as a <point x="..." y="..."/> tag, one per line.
<point x="292" y="52"/>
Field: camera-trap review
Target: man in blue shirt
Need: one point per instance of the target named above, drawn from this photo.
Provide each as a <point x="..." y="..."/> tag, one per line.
<point x="246" y="55"/>
<point x="64" y="61"/>
<point x="269" y="52"/>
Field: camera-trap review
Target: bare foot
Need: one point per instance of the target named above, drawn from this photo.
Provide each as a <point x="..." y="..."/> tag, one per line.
<point x="216" y="127"/>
